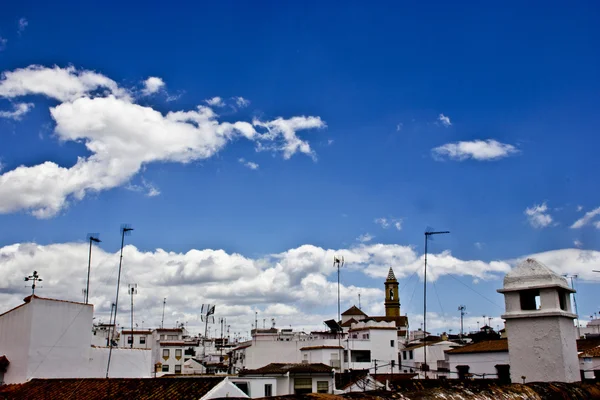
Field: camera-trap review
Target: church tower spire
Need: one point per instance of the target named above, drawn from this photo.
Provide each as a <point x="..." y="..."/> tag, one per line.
<point x="392" y="299"/>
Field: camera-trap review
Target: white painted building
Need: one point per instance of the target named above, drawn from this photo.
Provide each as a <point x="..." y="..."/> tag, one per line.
<point x="539" y="324"/>
<point x="372" y="345"/>
<point x="281" y="379"/>
<point x="589" y="363"/>
<point x="591" y="328"/>
<point x="412" y="357"/>
<point x="47" y="338"/>
<point x="137" y="339"/>
<point x="486" y="359"/>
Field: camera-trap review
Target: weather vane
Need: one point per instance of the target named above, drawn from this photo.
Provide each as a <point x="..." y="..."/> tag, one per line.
<point x="35" y="278"/>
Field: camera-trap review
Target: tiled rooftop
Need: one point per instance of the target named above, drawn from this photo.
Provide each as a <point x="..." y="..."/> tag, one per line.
<point x="104" y="389"/>
<point x="486" y="346"/>
<point x="321" y="347"/>
<point x="283" y="368"/>
<point x="354" y="311"/>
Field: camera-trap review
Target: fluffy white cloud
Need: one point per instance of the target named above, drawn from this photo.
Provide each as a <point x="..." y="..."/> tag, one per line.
<point x="444" y="120"/>
<point x="22" y="25"/>
<point x="481" y="150"/>
<point x="297" y="286"/>
<point x="383" y="222"/>
<point x="367" y="237"/>
<point x="215" y="102"/>
<point x="241" y="102"/>
<point x="284" y="131"/>
<point x="152" y="85"/>
<point x="248" y="164"/>
<point x="586" y="219"/>
<point x="121" y="137"/>
<point x="578" y="243"/>
<point x="19" y="110"/>
<point x="538" y="216"/>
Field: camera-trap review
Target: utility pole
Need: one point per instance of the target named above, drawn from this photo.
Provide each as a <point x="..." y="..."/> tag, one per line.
<point x="125" y="230"/>
<point x="162" y="321"/>
<point x="35" y="278"/>
<point x="462" y="309"/>
<point x="112" y="307"/>
<point x="132" y="290"/>
<point x="359" y="307"/>
<point x="338" y="262"/>
<point x="428" y="234"/>
<point x="93" y="238"/>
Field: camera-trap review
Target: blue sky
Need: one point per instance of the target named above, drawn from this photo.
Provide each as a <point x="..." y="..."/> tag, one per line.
<point x="454" y="117"/>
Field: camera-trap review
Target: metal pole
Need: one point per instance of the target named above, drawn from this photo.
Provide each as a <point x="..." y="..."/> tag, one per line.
<point x="425" y="310"/>
<point x="575" y="304"/>
<point x="123" y="231"/>
<point x="87" y="285"/>
<point x="131" y="290"/>
<point x="162" y="321"/>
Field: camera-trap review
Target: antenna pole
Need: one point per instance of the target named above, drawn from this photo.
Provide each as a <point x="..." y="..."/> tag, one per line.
<point x="132" y="291"/>
<point x="575" y="301"/>
<point x="359" y="301"/>
<point x="162" y="321"/>
<point x="462" y="309"/>
<point x="427" y="235"/>
<point x="87" y="285"/>
<point x="124" y="230"/>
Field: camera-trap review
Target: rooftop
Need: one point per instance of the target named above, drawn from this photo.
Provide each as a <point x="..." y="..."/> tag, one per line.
<point x="101" y="388"/>
<point x="531" y="274"/>
<point x="486" y="346"/>
<point x="283" y="368"/>
<point x="391" y="277"/>
<point x="321" y="347"/>
<point x="354" y="311"/>
<point x="593" y="352"/>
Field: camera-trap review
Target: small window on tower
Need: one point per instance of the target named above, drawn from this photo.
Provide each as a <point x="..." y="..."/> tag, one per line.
<point x="391" y="294"/>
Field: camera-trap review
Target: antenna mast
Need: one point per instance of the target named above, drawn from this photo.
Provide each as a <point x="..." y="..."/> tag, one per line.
<point x="162" y="321"/>
<point x="93" y="237"/>
<point x="462" y="309"/>
<point x="427" y="235"/>
<point x="132" y="290"/>
<point x="125" y="230"/>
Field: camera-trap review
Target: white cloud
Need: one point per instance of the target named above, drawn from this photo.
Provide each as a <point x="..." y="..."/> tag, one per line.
<point x="145" y="187"/>
<point x="366" y="237"/>
<point x="444" y="120"/>
<point x="578" y="243"/>
<point x="579" y="208"/>
<point x="19" y="110"/>
<point x="481" y="150"/>
<point x="241" y="102"/>
<point x="538" y="216"/>
<point x="330" y="142"/>
<point x="215" y="102"/>
<point x="121" y="137"/>
<point x="297" y="286"/>
<point x="586" y="219"/>
<point x="152" y="85"/>
<point x="399" y="127"/>
<point x="249" y="164"/>
<point x="3" y="42"/>
<point x="284" y="131"/>
<point x="479" y="245"/>
<point x="22" y="25"/>
<point x="387" y="222"/>
<point x="63" y="84"/>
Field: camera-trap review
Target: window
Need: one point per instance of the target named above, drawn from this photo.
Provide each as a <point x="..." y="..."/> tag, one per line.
<point x="404" y="354"/>
<point x="165" y="353"/>
<point x="410" y="354"/>
<point x="463" y="371"/>
<point x="302" y="385"/>
<point x="129" y="339"/>
<point x="503" y="373"/>
<point x="365" y="336"/>
<point x="268" y="390"/>
<point x="178" y="353"/>
<point x="391" y="343"/>
<point x="178" y="369"/>
<point x="162" y="337"/>
<point x="165" y="368"/>
<point x="346" y="356"/>
<point x="171" y="337"/>
<point x="360" y="356"/>
<point x="562" y="300"/>
<point x="530" y="299"/>
<point x="142" y="339"/>
<point x="322" y="387"/>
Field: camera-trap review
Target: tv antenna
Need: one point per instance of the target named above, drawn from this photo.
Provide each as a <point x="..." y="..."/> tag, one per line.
<point x="162" y="321"/>
<point x="428" y="234"/>
<point x="93" y="238"/>
<point x="207" y="315"/>
<point x="34" y="278"/>
<point x="338" y="262"/>
<point x="125" y="230"/>
<point x="132" y="289"/>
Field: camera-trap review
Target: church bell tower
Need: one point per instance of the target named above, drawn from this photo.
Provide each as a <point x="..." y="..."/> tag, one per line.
<point x="392" y="299"/>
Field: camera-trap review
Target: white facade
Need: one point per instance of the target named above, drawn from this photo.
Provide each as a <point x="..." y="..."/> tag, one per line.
<point x="590" y="364"/>
<point x="283" y="385"/>
<point x="539" y="324"/>
<point x="224" y="389"/>
<point x="45" y="338"/>
<point x="592" y="328"/>
<point x="412" y="357"/>
<point x="372" y="344"/>
<point x="142" y="339"/>
<point x="481" y="365"/>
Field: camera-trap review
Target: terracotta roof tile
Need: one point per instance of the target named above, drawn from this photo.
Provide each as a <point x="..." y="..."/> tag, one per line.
<point x="594" y="352"/>
<point x="486" y="346"/>
<point x="321" y="347"/>
<point x="283" y="368"/>
<point x="354" y="311"/>
<point x="101" y="389"/>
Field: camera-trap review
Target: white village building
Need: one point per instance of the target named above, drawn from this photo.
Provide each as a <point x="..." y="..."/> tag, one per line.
<point x="47" y="338"/>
